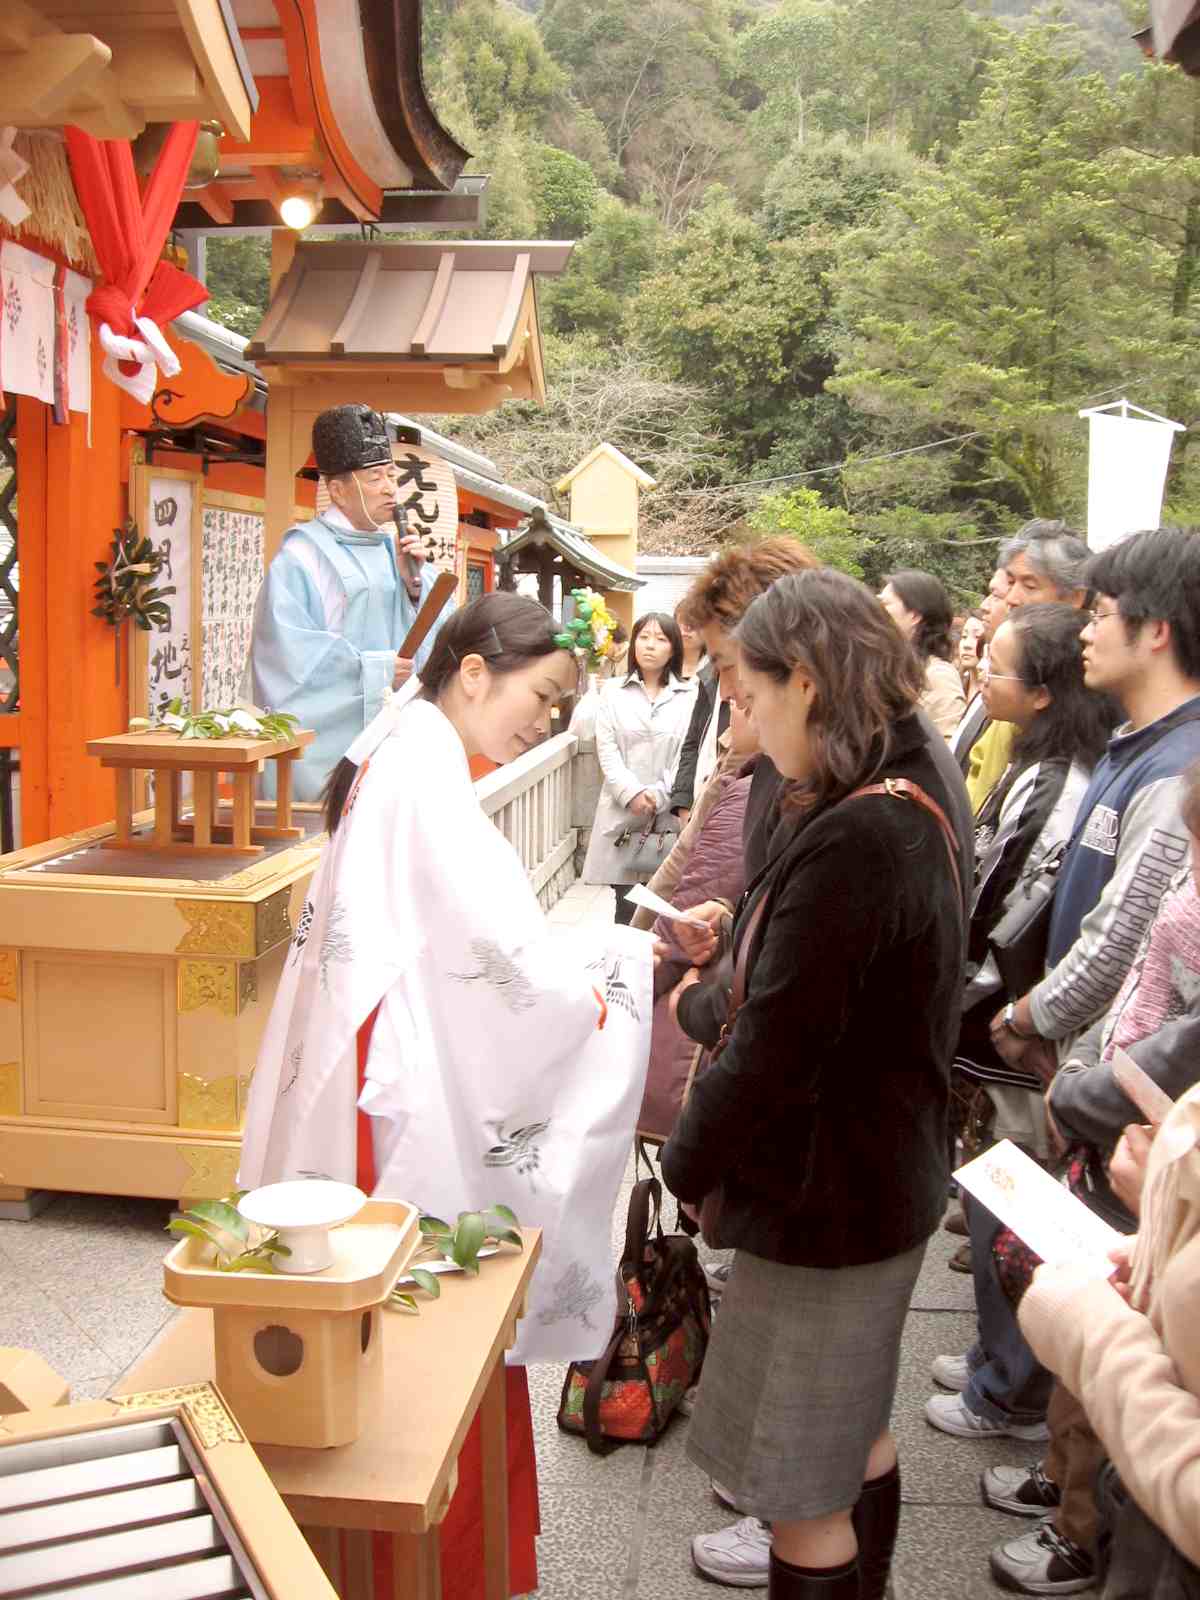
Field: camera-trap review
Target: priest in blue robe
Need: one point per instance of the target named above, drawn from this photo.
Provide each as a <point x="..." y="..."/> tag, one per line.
<point x="334" y="607"/>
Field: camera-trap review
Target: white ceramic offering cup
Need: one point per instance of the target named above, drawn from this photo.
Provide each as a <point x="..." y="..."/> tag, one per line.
<point x="303" y="1212"/>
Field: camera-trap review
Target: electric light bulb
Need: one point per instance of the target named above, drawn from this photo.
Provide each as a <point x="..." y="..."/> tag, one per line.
<point x="297" y="211"/>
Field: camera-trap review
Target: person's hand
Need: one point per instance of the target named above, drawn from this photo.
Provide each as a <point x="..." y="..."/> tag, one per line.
<point x="684" y="814"/>
<point x="412" y="547"/>
<point x="644" y="804"/>
<point x="1005" y="1042"/>
<point x="404" y="671"/>
<point x="690" y="977"/>
<point x="699" y="944"/>
<point x="1121" y="1279"/>
<point x="1052" y="1127"/>
<point x="1127" y="1169"/>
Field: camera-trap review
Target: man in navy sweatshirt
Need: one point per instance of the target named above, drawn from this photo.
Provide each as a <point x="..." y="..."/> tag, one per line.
<point x="1142" y="646"/>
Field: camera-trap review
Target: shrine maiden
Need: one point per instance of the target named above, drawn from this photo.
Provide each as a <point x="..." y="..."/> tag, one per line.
<point x="496" y="1058"/>
<point x="333" y="610"/>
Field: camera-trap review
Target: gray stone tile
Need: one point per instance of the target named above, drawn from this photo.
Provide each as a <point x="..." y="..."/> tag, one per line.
<point x="123" y="1322"/>
<point x="939" y="1288"/>
<point x="934" y="1465"/>
<point x="679" y="1505"/>
<point x="30" y="1320"/>
<point x="942" y="1553"/>
<point x="583" y="1551"/>
<point x="564" y="1457"/>
<point x="93" y="1388"/>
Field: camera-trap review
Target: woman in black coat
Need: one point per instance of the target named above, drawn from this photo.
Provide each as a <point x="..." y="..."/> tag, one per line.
<point x="815" y="1142"/>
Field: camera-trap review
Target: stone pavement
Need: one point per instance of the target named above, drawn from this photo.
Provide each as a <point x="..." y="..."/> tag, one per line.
<point x="82" y="1284"/>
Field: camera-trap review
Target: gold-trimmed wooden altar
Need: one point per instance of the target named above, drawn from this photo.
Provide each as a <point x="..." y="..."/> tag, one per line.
<point x="134" y="990"/>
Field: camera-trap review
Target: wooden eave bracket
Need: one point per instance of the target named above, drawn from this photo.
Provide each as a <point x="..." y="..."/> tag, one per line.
<point x="48" y="77"/>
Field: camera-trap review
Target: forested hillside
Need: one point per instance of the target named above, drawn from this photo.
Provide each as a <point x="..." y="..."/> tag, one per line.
<point x="900" y="239"/>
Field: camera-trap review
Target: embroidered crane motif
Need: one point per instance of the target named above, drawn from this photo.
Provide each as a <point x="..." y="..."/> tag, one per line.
<point x="303" y="927"/>
<point x="516" y="1149"/>
<point x="336" y="948"/>
<point x="617" y="992"/>
<point x="294" y="1060"/>
<point x="500" y="972"/>
<point x="571" y="1298"/>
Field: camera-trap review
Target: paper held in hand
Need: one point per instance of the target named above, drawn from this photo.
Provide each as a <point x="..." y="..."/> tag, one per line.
<point x="641" y="896"/>
<point x="1039" y="1209"/>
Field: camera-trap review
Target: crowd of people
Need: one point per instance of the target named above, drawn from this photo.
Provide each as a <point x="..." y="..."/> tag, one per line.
<point x="923" y="880"/>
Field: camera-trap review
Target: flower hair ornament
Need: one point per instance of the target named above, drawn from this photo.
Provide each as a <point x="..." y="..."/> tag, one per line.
<point x="589" y="632"/>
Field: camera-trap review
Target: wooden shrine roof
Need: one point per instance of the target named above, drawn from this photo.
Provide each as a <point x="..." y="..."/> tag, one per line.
<point x="465" y="310"/>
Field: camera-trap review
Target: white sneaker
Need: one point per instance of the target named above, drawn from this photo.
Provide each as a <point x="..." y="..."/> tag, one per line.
<point x="951" y="1372"/>
<point x="951" y="1414"/>
<point x="688" y="1404"/>
<point x="739" y="1555"/>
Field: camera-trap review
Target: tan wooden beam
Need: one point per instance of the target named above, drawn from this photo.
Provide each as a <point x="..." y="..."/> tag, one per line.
<point x="155" y="72"/>
<point x="204" y="26"/>
<point x="217" y="205"/>
<point x="47" y="76"/>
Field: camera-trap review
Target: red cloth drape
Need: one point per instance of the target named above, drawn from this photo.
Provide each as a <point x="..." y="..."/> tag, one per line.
<point x="462" y="1530"/>
<point x="128" y="228"/>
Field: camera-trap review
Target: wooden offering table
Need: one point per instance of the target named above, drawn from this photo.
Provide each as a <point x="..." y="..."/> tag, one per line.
<point x="439" y="1369"/>
<point x="170" y="758"/>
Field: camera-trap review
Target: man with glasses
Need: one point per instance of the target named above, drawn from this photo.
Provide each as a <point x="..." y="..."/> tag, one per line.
<point x="335" y="606"/>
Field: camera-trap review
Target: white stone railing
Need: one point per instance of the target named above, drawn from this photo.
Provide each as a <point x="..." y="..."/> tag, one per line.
<point x="530" y="801"/>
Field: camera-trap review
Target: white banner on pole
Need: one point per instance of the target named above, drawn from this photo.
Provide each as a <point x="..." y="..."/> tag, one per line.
<point x="1128" y="458"/>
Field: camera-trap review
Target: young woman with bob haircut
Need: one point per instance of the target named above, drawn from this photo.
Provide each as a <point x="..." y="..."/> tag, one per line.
<point x="814" y="1141"/>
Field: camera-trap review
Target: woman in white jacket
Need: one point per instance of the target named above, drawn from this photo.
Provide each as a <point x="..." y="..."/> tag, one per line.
<point x="641" y="723"/>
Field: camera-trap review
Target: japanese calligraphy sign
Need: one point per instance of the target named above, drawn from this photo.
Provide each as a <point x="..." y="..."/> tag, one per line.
<point x="231" y="572"/>
<point x="429" y="495"/>
<point x="169" y="650"/>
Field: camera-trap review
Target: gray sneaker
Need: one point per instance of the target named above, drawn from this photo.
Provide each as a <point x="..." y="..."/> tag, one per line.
<point x="1021" y="1491"/>
<point x="1042" y="1561"/>
<point x="952" y="1414"/>
<point x="739" y="1555"/>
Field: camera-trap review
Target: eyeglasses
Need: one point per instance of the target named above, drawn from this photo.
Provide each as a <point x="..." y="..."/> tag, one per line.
<point x="986" y="675"/>
<point x="1095" y="615"/>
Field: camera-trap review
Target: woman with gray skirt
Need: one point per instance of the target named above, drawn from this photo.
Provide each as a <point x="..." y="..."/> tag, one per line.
<point x="814" y="1142"/>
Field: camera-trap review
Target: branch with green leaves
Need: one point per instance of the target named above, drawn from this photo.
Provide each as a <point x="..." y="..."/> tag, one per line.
<point x="233" y="722"/>
<point x="459" y="1244"/>
<point x="238" y="1245"/>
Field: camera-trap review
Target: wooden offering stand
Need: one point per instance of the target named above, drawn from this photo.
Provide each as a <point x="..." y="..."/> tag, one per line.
<point x="300" y="1358"/>
<point x="169" y="757"/>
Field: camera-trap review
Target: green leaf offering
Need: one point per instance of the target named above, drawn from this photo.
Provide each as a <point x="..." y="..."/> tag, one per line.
<point x="221" y="1226"/>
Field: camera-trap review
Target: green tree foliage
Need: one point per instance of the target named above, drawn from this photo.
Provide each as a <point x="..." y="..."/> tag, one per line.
<point x="739" y="313"/>
<point x="489" y="57"/>
<point x="826" y="530"/>
<point x="997" y="294"/>
<point x="606" y="268"/>
<point x="238" y="279"/>
<point x="565" y="193"/>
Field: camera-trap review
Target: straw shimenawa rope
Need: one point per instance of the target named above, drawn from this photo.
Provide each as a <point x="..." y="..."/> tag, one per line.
<point x="54" y="214"/>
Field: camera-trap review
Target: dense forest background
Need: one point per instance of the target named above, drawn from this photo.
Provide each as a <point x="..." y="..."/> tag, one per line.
<point x="846" y="268"/>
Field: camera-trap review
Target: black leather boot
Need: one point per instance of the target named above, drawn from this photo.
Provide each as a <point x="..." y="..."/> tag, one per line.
<point x="812" y="1583"/>
<point x="876" y="1517"/>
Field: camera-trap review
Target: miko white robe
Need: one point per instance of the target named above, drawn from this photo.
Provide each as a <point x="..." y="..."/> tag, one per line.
<point x="488" y="1077"/>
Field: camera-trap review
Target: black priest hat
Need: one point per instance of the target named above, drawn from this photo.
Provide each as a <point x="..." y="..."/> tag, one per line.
<point x="350" y="438"/>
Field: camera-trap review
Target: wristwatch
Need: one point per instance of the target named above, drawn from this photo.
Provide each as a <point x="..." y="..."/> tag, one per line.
<point x="1009" y="1019"/>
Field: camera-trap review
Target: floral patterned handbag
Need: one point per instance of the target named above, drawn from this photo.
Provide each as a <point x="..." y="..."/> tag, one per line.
<point x="658" y="1344"/>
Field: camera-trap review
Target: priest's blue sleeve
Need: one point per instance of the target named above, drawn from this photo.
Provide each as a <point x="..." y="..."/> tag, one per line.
<point x="319" y="677"/>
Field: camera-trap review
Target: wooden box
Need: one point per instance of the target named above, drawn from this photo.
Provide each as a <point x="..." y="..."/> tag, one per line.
<point x="133" y="995"/>
<point x="301" y="1358"/>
